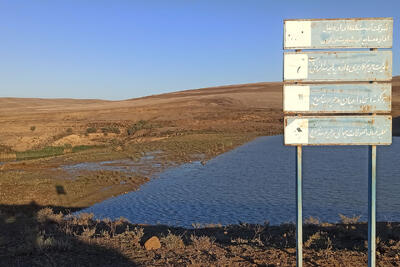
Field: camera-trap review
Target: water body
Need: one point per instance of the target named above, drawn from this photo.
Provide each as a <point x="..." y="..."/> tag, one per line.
<point x="140" y="166"/>
<point x="256" y="183"/>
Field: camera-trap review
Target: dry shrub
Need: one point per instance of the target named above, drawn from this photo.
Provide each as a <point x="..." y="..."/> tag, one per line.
<point x="349" y="220"/>
<point x="239" y="241"/>
<point x="105" y="234"/>
<point x="44" y="242"/>
<point x="88" y="232"/>
<point x="202" y="242"/>
<point x="319" y="240"/>
<point x="132" y="236"/>
<point x="47" y="214"/>
<point x="197" y="225"/>
<point x="312" y="220"/>
<point x="85" y="218"/>
<point x="172" y="241"/>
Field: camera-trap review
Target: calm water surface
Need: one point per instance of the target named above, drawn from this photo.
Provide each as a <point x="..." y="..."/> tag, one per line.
<point x="256" y="183"/>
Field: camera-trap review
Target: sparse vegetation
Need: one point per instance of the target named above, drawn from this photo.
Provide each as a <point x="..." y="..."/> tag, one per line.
<point x="349" y="220"/>
<point x="40" y="153"/>
<point x="91" y="130"/>
<point x="5" y="149"/>
<point x="84" y="240"/>
<point x="142" y="124"/>
<point x="84" y="147"/>
<point x="312" y="220"/>
<point x="110" y="129"/>
<point x="319" y="240"/>
<point x="172" y="242"/>
<point x="202" y="242"/>
<point x="33" y="128"/>
<point x="69" y="131"/>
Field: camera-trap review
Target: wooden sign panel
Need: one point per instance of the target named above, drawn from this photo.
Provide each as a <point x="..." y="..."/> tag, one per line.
<point x="337" y="98"/>
<point x="338" y="130"/>
<point x="338" y="33"/>
<point x="338" y="66"/>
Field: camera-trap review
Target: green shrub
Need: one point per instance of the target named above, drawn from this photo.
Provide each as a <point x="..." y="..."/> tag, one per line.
<point x="138" y="126"/>
<point x="91" y="130"/>
<point x="110" y="129"/>
<point x="69" y="131"/>
<point x="33" y="128"/>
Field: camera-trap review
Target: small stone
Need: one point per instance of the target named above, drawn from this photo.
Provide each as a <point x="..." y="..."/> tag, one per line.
<point x="152" y="243"/>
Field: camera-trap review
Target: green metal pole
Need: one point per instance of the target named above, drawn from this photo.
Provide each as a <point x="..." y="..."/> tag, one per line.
<point x="371" y="206"/>
<point x="299" y="213"/>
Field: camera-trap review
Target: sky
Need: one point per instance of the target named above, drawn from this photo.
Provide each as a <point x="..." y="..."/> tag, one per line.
<point x="124" y="49"/>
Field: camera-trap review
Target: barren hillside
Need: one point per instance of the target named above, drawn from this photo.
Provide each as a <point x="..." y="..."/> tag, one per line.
<point x="30" y="123"/>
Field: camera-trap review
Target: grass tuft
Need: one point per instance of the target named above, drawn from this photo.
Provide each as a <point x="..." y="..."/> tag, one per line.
<point x="172" y="241"/>
<point x="349" y="220"/>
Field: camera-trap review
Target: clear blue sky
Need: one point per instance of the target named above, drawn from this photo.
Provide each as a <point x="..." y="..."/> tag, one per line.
<point x="123" y="49"/>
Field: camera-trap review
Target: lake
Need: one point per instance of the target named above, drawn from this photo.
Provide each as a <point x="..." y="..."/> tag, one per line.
<point x="255" y="183"/>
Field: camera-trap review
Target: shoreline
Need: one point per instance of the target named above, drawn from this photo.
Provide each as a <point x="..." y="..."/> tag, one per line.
<point x="43" y="181"/>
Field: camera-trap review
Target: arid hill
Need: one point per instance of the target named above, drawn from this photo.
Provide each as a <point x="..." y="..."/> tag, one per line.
<point x="29" y="123"/>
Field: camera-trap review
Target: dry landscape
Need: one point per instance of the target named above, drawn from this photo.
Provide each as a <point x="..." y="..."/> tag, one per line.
<point x="39" y="136"/>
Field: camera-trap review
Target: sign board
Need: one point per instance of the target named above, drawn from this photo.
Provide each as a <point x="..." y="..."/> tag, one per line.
<point x="337" y="98"/>
<point x="338" y="33"/>
<point x="338" y="130"/>
<point x="338" y="66"/>
<point x="340" y="70"/>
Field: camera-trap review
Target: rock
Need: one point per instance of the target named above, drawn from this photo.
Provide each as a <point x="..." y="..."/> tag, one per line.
<point x="152" y="243"/>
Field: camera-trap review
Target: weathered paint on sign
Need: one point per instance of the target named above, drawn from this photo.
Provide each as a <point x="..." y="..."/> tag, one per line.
<point x="337" y="98"/>
<point x="338" y="130"/>
<point x="338" y="33"/>
<point x="338" y="66"/>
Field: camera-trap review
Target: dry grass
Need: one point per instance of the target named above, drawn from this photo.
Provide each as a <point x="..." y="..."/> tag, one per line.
<point x="85" y="241"/>
<point x="349" y="220"/>
<point x="172" y="242"/>
<point x="202" y="242"/>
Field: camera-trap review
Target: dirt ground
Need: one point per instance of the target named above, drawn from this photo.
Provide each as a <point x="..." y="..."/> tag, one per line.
<point x="249" y="107"/>
<point x="31" y="236"/>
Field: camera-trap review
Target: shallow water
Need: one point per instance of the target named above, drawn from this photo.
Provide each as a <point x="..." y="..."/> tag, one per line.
<point x="256" y="183"/>
<point x="142" y="166"/>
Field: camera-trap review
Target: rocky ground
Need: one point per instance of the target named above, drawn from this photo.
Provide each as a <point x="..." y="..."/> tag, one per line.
<point x="41" y="237"/>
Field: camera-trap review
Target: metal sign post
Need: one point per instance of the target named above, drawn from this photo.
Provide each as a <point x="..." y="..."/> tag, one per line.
<point x="299" y="201"/>
<point x="371" y="205"/>
<point x="334" y="82"/>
